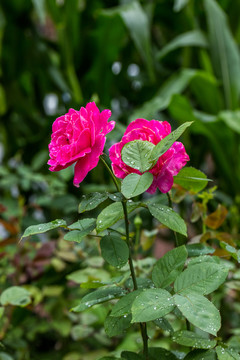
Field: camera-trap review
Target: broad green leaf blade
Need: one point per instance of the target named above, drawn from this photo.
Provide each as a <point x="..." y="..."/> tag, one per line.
<point x="42" y="228"/>
<point x="112" y="213"/>
<point x="200" y="278"/>
<point x="201" y="355"/>
<point x="168" y="217"/>
<point x="135" y="184"/>
<point x="136" y="154"/>
<point x="226" y="354"/>
<point x="157" y="353"/>
<point x="168" y="141"/>
<point x="192" y="339"/>
<point x="204" y="259"/>
<point x="191" y="179"/>
<point x="99" y="296"/>
<point x="169" y="267"/>
<point x="199" y="249"/>
<point x="232" y="119"/>
<point x="123" y="306"/>
<point x="138" y="25"/>
<point x="89" y="274"/>
<point x="91" y="201"/>
<point x="190" y="38"/>
<point x="164" y="324"/>
<point x="199" y="311"/>
<point x="225" y="53"/>
<point x="114" y="250"/>
<point x="179" y="4"/>
<point x="15" y="295"/>
<point x="129" y="355"/>
<point x="81" y="228"/>
<point x="152" y="304"/>
<point x="116" y="325"/>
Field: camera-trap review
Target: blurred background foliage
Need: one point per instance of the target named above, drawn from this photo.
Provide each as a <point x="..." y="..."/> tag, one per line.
<point x="163" y="59"/>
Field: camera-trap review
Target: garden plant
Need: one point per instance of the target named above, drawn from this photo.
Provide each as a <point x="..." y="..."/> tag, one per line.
<point x="128" y="248"/>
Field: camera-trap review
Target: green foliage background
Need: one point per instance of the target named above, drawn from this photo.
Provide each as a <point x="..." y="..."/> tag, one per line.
<point x="169" y="60"/>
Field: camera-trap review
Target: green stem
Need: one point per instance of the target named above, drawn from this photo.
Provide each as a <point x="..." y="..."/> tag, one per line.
<point x="170" y="205"/>
<point x="143" y="326"/>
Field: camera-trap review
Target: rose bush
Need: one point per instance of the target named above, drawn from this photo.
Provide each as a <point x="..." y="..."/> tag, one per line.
<point x="167" y="166"/>
<point x="79" y="136"/>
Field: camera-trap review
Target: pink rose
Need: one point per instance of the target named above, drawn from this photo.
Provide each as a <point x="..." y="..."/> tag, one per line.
<point x="168" y="165"/>
<point x="79" y="136"/>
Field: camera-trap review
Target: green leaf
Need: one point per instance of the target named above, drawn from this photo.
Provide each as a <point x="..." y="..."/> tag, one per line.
<point x="89" y="274"/>
<point x="114" y="250"/>
<point x="204" y="258"/>
<point x="226" y="354"/>
<point x="135" y="184"/>
<point x="201" y="355"/>
<point x="129" y="355"/>
<point x="192" y="339"/>
<point x="169" y="267"/>
<point x="42" y="228"/>
<point x="160" y="353"/>
<point x="232" y="119"/>
<point x="190" y="38"/>
<point x="112" y="213"/>
<point x="116" y="325"/>
<point x="5" y="356"/>
<point x="168" y="217"/>
<point x="164" y="324"/>
<point x="168" y="141"/>
<point x="98" y="296"/>
<point x="179" y="4"/>
<point x="81" y="229"/>
<point x="137" y="155"/>
<point x="199" y="311"/>
<point x="123" y="306"/>
<point x="199" y="249"/>
<point x="91" y="201"/>
<point x="15" y="295"/>
<point x="152" y="304"/>
<point x="200" y="278"/>
<point x="191" y="179"/>
<point x="225" y="53"/>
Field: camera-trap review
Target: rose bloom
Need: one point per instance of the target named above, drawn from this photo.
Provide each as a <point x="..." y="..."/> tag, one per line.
<point x="167" y="166"/>
<point x="79" y="137"/>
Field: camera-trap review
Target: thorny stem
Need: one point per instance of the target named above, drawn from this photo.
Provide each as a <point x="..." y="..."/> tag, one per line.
<point x="143" y="326"/>
<point x="177" y="244"/>
<point x="170" y="205"/>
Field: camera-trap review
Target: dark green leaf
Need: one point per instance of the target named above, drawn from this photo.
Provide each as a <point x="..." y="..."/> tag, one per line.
<point x="42" y="228"/>
<point x="114" y="250"/>
<point x="200" y="278"/>
<point x="91" y="201"/>
<point x="192" y="339"/>
<point x="99" y="296"/>
<point x="169" y="267"/>
<point x="201" y="355"/>
<point x="226" y="354"/>
<point x="116" y="325"/>
<point x="164" y="324"/>
<point x="190" y="38"/>
<point x="137" y="155"/>
<point x="151" y="304"/>
<point x="129" y="355"/>
<point x="168" y="217"/>
<point x="15" y="295"/>
<point x="199" y="311"/>
<point x="199" y="249"/>
<point x="112" y="213"/>
<point x="135" y="184"/>
<point x="225" y="53"/>
<point x="167" y="142"/>
<point x="160" y="353"/>
<point x="123" y="306"/>
<point x="81" y="229"/>
<point x="191" y="179"/>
